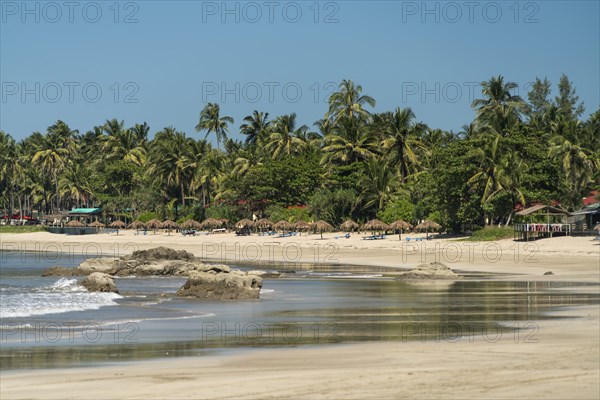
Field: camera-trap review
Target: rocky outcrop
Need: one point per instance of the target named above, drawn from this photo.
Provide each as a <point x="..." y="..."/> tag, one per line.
<point x="159" y="253"/>
<point x="434" y="270"/>
<point x="61" y="271"/>
<point x="206" y="281"/>
<point x="234" y="285"/>
<point x="160" y="261"/>
<point x="99" y="282"/>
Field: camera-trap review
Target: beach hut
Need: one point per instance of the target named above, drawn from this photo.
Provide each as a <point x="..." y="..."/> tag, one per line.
<point x="540" y="221"/>
<point x="349" y="226"/>
<point x="169" y="226"/>
<point x="427" y="226"/>
<point x="322" y="226"/>
<point x="400" y="226"/>
<point x="153" y="224"/>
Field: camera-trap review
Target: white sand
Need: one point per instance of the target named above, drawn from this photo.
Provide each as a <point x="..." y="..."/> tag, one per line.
<point x="564" y="363"/>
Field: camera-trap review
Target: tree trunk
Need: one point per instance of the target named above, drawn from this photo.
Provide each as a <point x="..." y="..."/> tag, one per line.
<point x="182" y="195"/>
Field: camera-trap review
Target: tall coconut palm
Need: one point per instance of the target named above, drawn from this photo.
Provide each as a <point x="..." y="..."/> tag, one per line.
<point x="56" y="148"/>
<point x="349" y="102"/>
<point x="124" y="145"/>
<point x="74" y="183"/>
<point x="167" y="155"/>
<point x="10" y="166"/>
<point x="402" y="141"/>
<point x="285" y="138"/>
<point x="255" y="126"/>
<point x="499" y="109"/>
<point x="212" y="122"/>
<point x="578" y="163"/>
<point x="350" y="143"/>
<point x="378" y="184"/>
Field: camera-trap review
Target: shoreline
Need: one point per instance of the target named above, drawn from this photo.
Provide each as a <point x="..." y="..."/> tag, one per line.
<point x="563" y="363"/>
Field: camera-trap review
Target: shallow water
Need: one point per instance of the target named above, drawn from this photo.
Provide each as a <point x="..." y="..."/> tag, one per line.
<point x="316" y="306"/>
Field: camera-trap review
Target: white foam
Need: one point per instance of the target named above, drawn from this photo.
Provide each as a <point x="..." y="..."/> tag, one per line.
<point x="64" y="295"/>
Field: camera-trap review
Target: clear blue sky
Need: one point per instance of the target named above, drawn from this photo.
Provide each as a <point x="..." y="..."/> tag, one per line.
<point x="170" y="58"/>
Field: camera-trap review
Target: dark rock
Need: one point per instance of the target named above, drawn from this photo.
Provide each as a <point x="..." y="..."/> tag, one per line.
<point x="549" y="273"/>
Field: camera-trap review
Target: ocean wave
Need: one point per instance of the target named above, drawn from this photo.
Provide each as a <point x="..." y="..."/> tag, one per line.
<point x="64" y="295"/>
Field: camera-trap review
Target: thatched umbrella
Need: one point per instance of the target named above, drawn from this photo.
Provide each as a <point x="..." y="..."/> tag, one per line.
<point x="301" y="225"/>
<point x="118" y="224"/>
<point x="169" y="226"/>
<point x="400" y="226"/>
<point x="191" y="224"/>
<point x="263" y="223"/>
<point x="244" y="223"/>
<point x="283" y="226"/>
<point x="137" y="225"/>
<point x="322" y="226"/>
<point x="375" y="225"/>
<point x="427" y="225"/>
<point x="349" y="226"/>
<point x="75" y="224"/>
<point x="597" y="227"/>
<point x="224" y="222"/>
<point x="153" y="224"/>
<point x="211" y="223"/>
<point x="97" y="224"/>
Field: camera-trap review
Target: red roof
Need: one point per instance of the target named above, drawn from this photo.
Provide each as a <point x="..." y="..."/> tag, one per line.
<point x="592" y="198"/>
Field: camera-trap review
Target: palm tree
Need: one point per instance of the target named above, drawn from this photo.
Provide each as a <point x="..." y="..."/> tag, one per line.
<point x="255" y="127"/>
<point x="499" y="109"/>
<point x="349" y="144"/>
<point x="285" y="138"/>
<point x="378" y="184"/>
<point x="10" y="166"/>
<point x="211" y="121"/>
<point x="402" y="141"/>
<point x="348" y="102"/>
<point x="578" y="163"/>
<point x="124" y="145"/>
<point x="57" y="147"/>
<point x="168" y="160"/>
<point x="74" y="183"/>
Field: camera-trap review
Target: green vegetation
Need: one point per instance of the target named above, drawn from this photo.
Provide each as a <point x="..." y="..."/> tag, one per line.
<point x="490" y="233"/>
<point x="355" y="163"/>
<point x="21" y="229"/>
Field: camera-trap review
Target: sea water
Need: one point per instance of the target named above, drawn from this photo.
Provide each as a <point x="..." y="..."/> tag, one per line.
<point x="52" y="322"/>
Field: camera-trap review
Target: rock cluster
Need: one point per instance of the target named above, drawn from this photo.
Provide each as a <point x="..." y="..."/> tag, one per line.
<point x="434" y="270"/>
<point x="207" y="281"/>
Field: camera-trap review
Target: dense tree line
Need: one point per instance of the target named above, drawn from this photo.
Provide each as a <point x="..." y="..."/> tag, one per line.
<point x="354" y="163"/>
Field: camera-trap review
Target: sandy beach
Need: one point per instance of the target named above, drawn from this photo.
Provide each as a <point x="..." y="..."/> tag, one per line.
<point x="560" y="361"/>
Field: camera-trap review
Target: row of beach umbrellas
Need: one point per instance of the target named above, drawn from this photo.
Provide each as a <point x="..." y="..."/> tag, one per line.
<point x="212" y="223"/>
